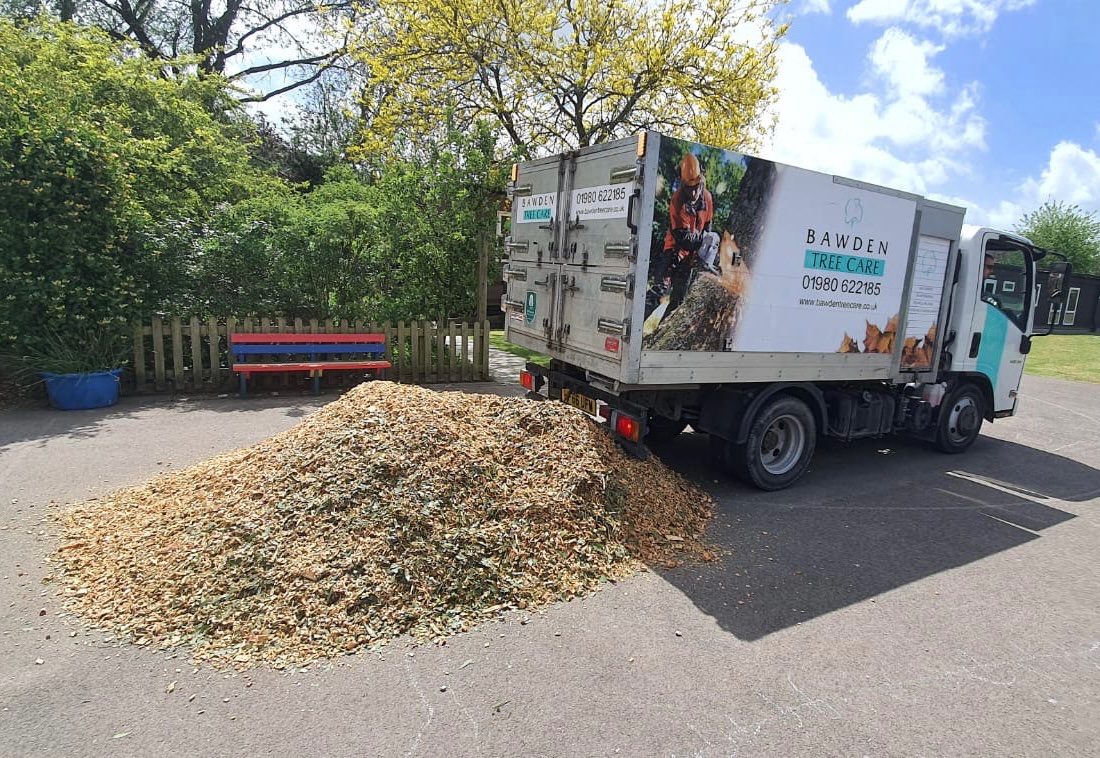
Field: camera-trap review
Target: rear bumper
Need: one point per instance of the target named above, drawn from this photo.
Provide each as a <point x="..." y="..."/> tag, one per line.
<point x="549" y="383"/>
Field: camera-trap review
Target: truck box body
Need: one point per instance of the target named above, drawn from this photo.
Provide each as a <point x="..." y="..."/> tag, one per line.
<point x="673" y="283"/>
<point x="832" y="264"/>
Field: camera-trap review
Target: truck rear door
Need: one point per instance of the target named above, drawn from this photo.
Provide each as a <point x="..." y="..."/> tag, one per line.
<point x="532" y="270"/>
<point x="572" y="255"/>
<point x="598" y="286"/>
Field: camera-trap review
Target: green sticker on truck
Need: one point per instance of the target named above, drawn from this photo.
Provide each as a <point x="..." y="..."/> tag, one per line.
<point x="529" y="307"/>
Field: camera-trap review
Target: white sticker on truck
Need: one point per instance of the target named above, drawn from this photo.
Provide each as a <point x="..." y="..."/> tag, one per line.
<point x="829" y="270"/>
<point x="925" y="296"/>
<point x="751" y="255"/>
<point x="606" y="201"/>
<point x="536" y="209"/>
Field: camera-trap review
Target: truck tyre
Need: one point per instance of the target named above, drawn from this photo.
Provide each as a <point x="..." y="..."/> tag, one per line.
<point x="661" y="429"/>
<point x="960" y="419"/>
<point x="779" y="447"/>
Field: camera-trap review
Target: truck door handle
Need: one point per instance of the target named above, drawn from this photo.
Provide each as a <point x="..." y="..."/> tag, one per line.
<point x="975" y="342"/>
<point x="630" y="223"/>
<point x="609" y="326"/>
<point x="623" y="284"/>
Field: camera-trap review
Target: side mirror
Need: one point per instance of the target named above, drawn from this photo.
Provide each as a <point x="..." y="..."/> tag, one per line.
<point x="1025" y="344"/>
<point x="1056" y="281"/>
<point x="1056" y="285"/>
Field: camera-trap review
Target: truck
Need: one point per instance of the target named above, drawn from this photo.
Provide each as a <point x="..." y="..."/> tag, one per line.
<point x="673" y="283"/>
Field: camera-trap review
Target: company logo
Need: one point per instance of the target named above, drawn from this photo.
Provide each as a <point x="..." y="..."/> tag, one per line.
<point x="853" y="212"/>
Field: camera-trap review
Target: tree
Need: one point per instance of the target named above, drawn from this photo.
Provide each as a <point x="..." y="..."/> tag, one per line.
<point x="401" y="245"/>
<point x="101" y="156"/>
<point x="1065" y="229"/>
<point x="557" y="74"/>
<point x="289" y="42"/>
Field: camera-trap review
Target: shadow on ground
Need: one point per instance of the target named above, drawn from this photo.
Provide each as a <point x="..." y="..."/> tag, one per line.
<point x="869" y="517"/>
<point x="40" y="424"/>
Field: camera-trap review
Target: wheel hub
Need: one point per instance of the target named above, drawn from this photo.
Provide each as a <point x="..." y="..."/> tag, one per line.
<point x="968" y="418"/>
<point x="963" y="420"/>
<point x="781" y="445"/>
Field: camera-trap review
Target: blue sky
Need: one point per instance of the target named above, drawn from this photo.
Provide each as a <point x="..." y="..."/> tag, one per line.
<point x="989" y="104"/>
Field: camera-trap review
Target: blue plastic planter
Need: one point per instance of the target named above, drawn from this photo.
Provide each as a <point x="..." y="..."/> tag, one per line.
<point x="74" y="392"/>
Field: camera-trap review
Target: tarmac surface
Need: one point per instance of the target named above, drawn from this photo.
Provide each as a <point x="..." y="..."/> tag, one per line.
<point x="896" y="602"/>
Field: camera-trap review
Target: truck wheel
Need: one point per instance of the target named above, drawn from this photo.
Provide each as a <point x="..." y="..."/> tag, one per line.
<point x="779" y="447"/>
<point x="960" y="419"/>
<point x="660" y="429"/>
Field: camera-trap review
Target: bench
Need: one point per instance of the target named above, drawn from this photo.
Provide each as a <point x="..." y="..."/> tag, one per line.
<point x="316" y="351"/>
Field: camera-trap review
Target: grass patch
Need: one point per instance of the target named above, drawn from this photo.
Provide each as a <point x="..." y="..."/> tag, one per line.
<point x="496" y="340"/>
<point x="1066" y="356"/>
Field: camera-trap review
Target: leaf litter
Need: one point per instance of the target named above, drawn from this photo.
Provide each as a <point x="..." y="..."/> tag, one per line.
<point x="393" y="510"/>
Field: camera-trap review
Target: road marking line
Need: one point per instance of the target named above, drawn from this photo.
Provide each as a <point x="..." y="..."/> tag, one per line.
<point x="1010" y="523"/>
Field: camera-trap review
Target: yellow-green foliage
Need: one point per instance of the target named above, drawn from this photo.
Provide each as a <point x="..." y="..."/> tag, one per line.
<point x="568" y="73"/>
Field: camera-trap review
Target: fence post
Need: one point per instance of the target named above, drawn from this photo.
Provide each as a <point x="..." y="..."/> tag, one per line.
<point x="452" y="353"/>
<point x="485" y="376"/>
<point x="139" y="357"/>
<point x="177" y="352"/>
<point x="414" y="351"/>
<point x="466" y="366"/>
<point x="424" y="343"/>
<point x="230" y="327"/>
<point x="399" y="352"/>
<point x="215" y="351"/>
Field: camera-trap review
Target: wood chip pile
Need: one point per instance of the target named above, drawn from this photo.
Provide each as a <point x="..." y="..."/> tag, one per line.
<point x="392" y="510"/>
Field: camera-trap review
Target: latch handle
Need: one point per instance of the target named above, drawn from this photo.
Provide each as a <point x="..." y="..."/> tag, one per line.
<point x="630" y="223"/>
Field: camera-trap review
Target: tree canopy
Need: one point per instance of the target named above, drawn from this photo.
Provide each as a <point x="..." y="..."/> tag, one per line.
<point x="403" y="245"/>
<point x="291" y="42"/>
<point x="554" y="74"/>
<point x="1065" y="229"/>
<point x="100" y="154"/>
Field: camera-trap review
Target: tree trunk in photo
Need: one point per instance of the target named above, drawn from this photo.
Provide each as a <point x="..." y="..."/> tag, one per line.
<point x="701" y="322"/>
<point x="710" y="310"/>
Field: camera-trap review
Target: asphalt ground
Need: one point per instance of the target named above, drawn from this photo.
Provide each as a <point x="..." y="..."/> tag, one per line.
<point x="896" y="602"/>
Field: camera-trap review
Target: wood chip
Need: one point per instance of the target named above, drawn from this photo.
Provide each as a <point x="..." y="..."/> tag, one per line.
<point x="392" y="510"/>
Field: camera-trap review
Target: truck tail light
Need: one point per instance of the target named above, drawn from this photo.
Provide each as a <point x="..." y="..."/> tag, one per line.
<point x="627" y="427"/>
<point x="527" y="380"/>
<point x="604" y="411"/>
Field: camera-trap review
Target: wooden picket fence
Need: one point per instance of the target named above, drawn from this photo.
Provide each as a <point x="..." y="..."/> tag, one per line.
<point x="181" y="354"/>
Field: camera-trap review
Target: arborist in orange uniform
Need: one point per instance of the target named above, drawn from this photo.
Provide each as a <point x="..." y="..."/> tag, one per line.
<point x="689" y="236"/>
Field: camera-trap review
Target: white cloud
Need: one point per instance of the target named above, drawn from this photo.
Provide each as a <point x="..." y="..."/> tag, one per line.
<point x="816" y="6"/>
<point x="907" y="133"/>
<point x="1072" y="175"/>
<point x="954" y="18"/>
<point x="903" y="62"/>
